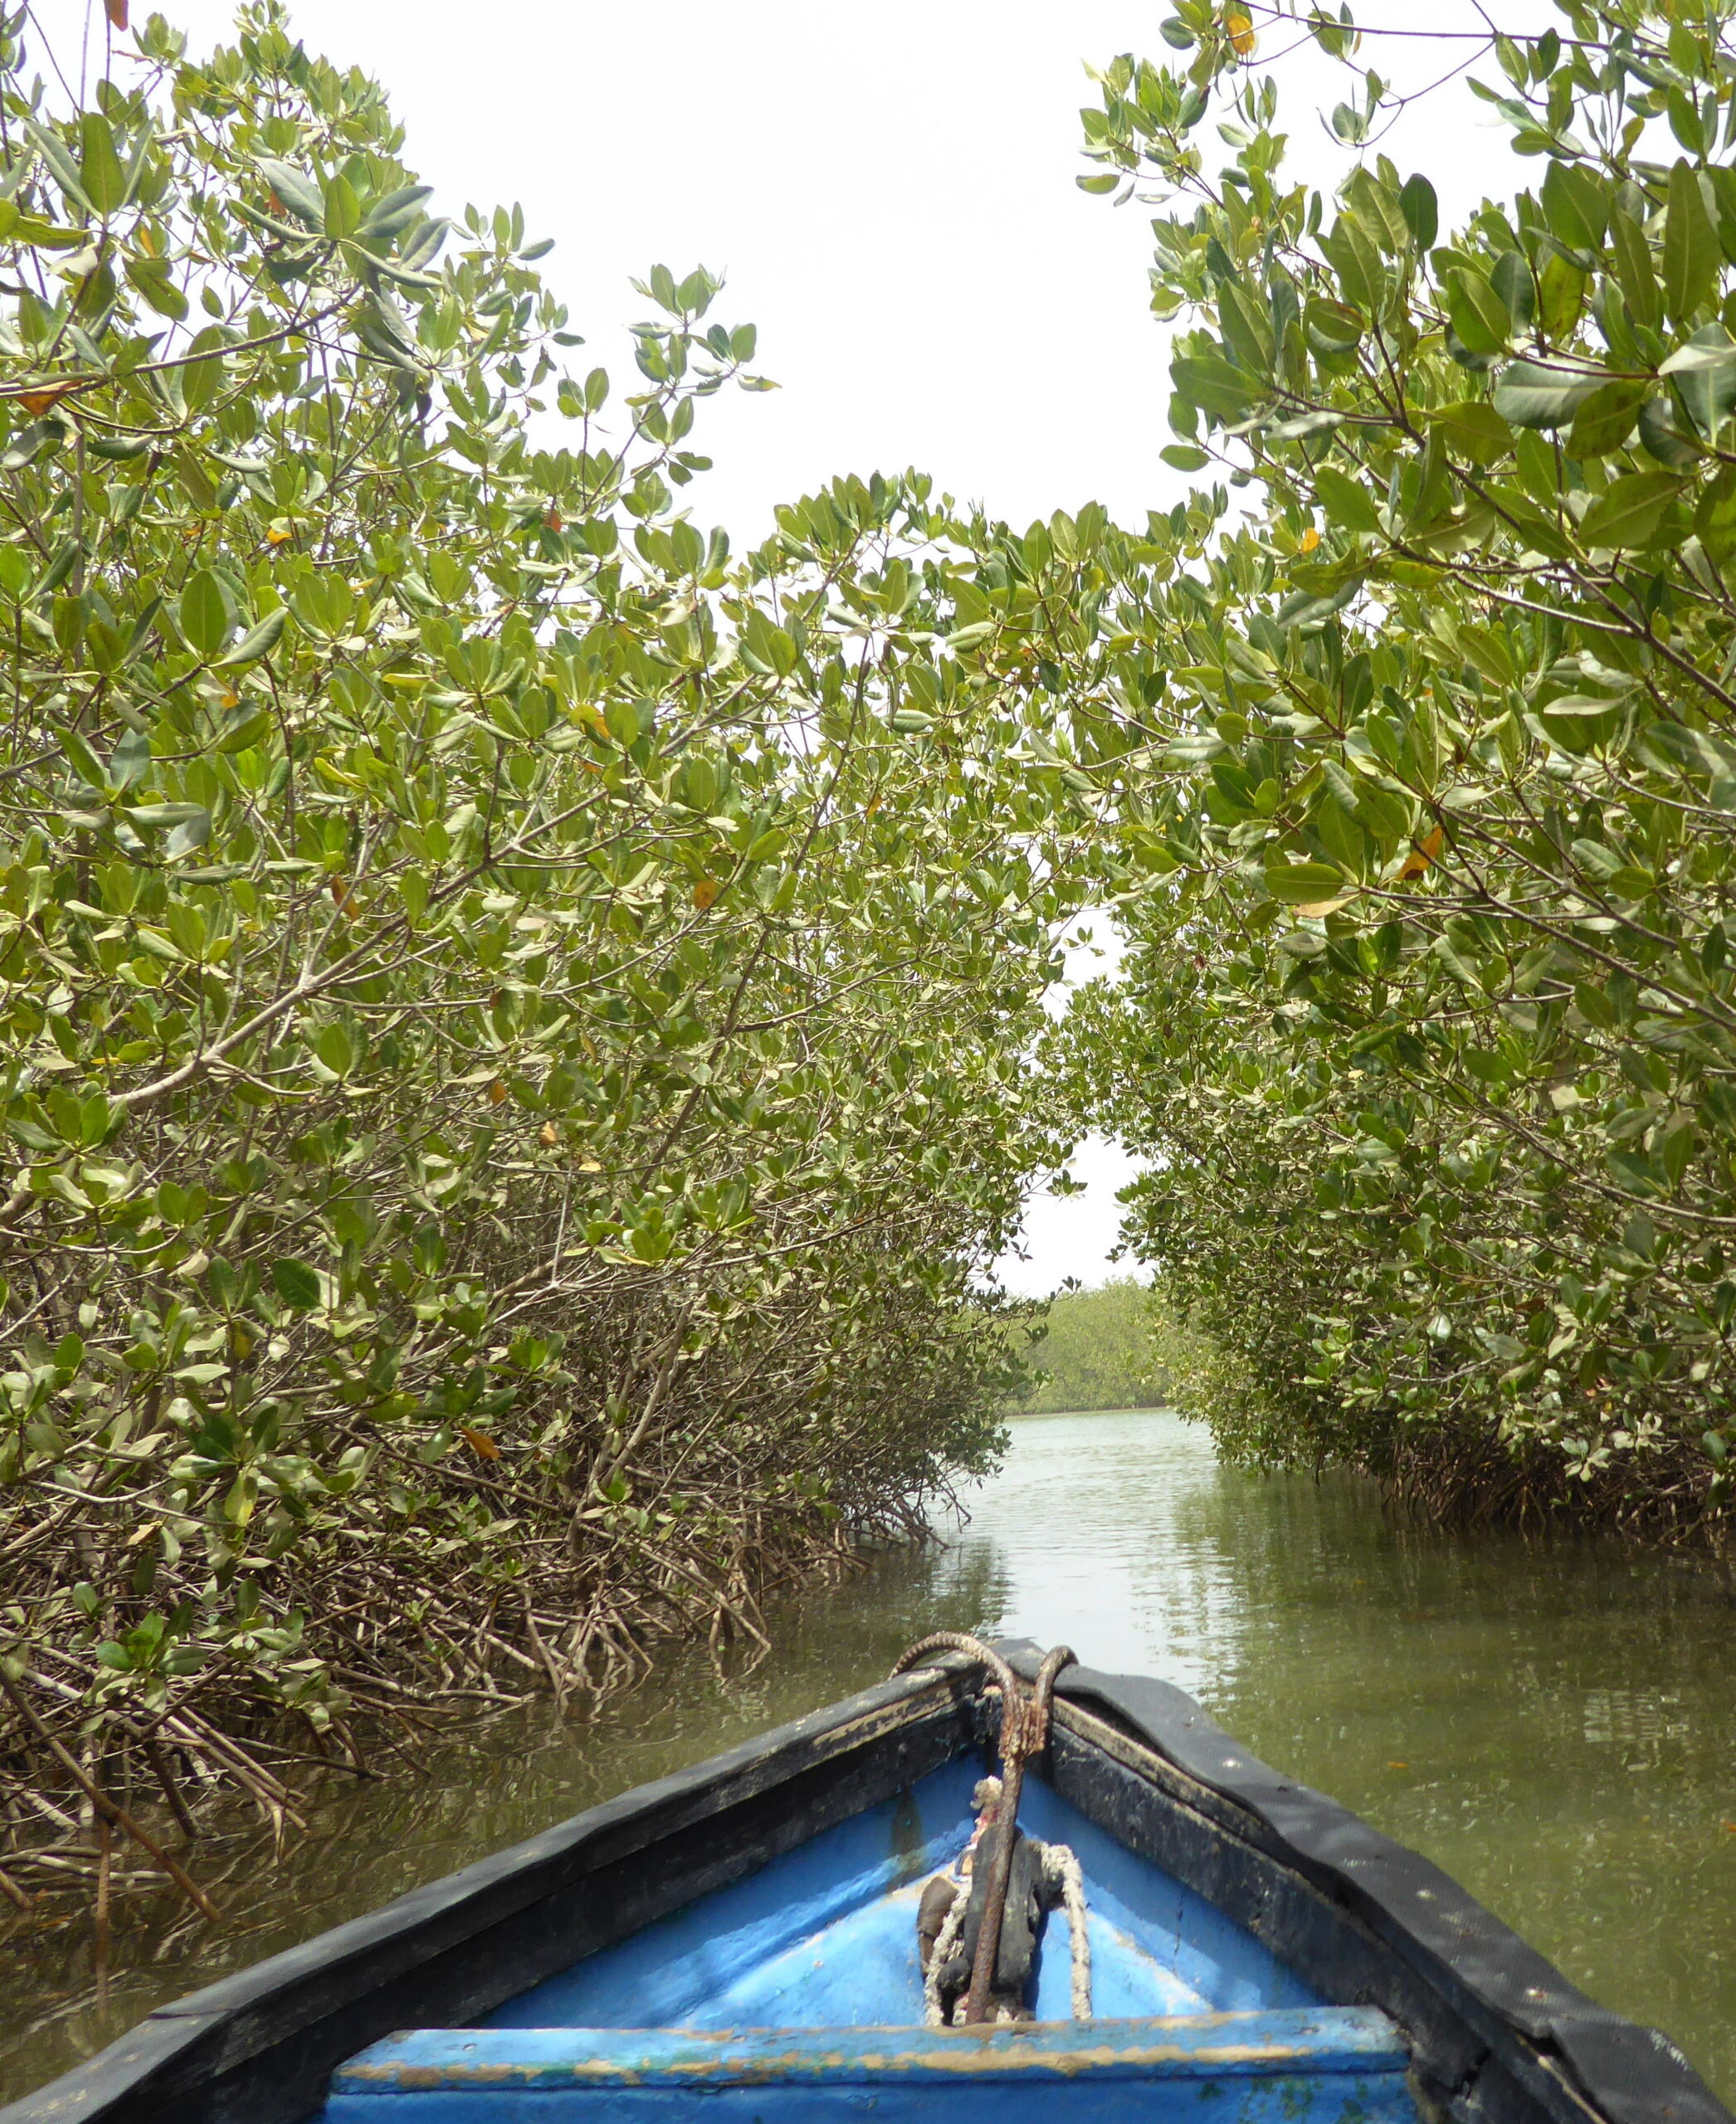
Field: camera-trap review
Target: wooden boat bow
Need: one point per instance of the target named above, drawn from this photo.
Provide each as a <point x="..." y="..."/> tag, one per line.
<point x="1386" y="1986"/>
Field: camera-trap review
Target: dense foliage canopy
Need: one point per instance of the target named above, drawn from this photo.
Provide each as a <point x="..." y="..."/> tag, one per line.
<point x="513" y="1016"/>
<point x="1425" y="835"/>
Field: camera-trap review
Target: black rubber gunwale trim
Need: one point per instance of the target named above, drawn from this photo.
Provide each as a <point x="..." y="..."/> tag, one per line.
<point x="1625" y="2073"/>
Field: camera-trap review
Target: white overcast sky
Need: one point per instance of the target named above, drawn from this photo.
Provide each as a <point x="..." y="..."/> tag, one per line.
<point x="889" y="191"/>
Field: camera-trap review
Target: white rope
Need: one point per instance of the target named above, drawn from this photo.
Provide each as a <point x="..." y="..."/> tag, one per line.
<point x="944" y="1942"/>
<point x="984" y="1800"/>
<point x="1061" y="1874"/>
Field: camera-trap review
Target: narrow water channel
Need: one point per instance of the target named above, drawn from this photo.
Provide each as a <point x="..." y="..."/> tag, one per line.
<point x="1552" y="1721"/>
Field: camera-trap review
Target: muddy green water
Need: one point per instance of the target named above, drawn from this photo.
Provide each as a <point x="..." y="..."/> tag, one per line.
<point x="1552" y="1721"/>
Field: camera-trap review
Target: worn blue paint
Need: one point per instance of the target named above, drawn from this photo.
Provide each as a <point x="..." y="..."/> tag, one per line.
<point x="795" y="1997"/>
<point x="1331" y="2065"/>
<point x="825" y="1937"/>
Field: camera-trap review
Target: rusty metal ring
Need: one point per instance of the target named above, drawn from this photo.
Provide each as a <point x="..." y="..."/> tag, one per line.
<point x="957" y="1640"/>
<point x="1042" y="1693"/>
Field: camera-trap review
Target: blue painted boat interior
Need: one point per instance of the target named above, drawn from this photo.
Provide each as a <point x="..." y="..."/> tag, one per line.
<point x="825" y="1936"/>
<point x="794" y="1996"/>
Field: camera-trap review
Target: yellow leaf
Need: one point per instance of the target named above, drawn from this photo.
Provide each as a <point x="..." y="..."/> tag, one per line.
<point x="1309" y="539"/>
<point x="1239" y="26"/>
<point x="1316" y="910"/>
<point x="480" y="1444"/>
<point x="704" y="893"/>
<point x="1427" y="851"/>
<point x="497" y="1093"/>
<point x="548" y="1135"/>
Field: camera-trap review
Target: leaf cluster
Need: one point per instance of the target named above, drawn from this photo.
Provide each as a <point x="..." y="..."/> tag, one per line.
<point x="1430" y="1028"/>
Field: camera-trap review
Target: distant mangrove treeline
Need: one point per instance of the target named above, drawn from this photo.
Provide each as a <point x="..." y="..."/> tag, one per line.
<point x="1096" y="1349"/>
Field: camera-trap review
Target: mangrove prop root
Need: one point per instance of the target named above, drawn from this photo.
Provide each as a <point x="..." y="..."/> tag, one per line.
<point x="468" y="1652"/>
<point x="108" y="1810"/>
